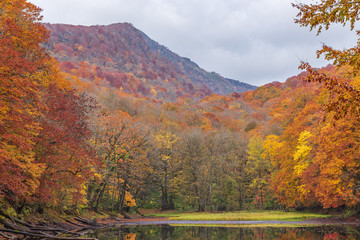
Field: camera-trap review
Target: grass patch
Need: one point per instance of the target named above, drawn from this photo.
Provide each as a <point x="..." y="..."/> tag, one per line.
<point x="241" y="216"/>
<point x="247" y="225"/>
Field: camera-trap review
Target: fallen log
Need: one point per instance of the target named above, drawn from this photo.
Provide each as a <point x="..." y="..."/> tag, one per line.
<point x="9" y="225"/>
<point x="76" y="224"/>
<point x="85" y="220"/>
<point x="23" y="223"/>
<point x="6" y="236"/>
<point x="43" y="230"/>
<point x="88" y="222"/>
<point x="57" y="230"/>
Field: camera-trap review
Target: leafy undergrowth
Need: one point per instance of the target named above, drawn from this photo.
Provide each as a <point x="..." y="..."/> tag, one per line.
<point x="241" y="216"/>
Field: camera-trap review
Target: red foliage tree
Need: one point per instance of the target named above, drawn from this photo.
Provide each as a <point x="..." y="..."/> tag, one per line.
<point x="62" y="146"/>
<point x="23" y="66"/>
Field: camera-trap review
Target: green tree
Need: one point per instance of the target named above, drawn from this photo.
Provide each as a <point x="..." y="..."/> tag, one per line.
<point x="259" y="168"/>
<point x="166" y="166"/>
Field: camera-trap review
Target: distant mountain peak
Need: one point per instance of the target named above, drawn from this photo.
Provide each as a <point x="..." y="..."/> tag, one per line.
<point x="127" y="58"/>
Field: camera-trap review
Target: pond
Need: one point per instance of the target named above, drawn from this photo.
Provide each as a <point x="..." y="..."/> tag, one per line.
<point x="167" y="232"/>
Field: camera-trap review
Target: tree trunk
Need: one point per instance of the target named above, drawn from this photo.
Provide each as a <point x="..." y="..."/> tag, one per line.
<point x="122" y="198"/>
<point x="166" y="204"/>
<point x="21" y="207"/>
<point x="211" y="199"/>
<point x="241" y="195"/>
<point x="101" y="193"/>
<point x="201" y="207"/>
<point x="89" y="192"/>
<point x="95" y="196"/>
<point x="164" y="199"/>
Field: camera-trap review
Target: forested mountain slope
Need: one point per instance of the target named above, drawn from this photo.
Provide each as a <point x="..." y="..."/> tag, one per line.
<point x="124" y="127"/>
<point x="126" y="58"/>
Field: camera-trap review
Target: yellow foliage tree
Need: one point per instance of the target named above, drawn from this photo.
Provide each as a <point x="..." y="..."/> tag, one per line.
<point x="301" y="154"/>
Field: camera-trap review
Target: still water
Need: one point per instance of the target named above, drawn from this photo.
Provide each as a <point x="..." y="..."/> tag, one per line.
<point x="166" y="232"/>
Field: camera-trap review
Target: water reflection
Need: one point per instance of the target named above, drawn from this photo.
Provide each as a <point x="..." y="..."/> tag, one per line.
<point x="165" y="232"/>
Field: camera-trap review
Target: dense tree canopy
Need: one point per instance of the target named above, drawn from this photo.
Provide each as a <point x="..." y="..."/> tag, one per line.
<point x="43" y="122"/>
<point x="76" y="140"/>
<point x="23" y="66"/>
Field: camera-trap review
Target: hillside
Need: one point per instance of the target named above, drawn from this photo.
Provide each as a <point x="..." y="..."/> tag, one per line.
<point x="126" y="58"/>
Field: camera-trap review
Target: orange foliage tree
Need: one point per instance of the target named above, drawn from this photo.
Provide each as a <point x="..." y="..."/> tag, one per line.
<point x="43" y="127"/>
<point x="332" y="174"/>
<point x="119" y="143"/>
<point x="344" y="97"/>
<point x="23" y="63"/>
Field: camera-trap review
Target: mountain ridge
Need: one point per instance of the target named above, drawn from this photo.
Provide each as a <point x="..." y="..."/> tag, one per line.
<point x="127" y="58"/>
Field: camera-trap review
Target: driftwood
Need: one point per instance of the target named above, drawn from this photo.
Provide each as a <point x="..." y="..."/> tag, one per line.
<point x="87" y="222"/>
<point x="6" y="236"/>
<point x="18" y="229"/>
<point x="47" y="229"/>
<point x="42" y="235"/>
<point x="11" y="226"/>
<point x="73" y="223"/>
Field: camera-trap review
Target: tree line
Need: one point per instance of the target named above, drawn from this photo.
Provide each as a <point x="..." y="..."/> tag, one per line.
<point x="69" y="142"/>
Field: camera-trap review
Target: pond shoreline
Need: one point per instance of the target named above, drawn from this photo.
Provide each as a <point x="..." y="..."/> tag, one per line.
<point x="162" y="229"/>
<point x="166" y="221"/>
<point x="78" y="225"/>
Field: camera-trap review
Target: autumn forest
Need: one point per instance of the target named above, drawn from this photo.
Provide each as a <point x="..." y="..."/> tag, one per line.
<point x="106" y="119"/>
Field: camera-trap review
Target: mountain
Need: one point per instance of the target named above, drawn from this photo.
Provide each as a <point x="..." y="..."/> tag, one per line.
<point x="124" y="57"/>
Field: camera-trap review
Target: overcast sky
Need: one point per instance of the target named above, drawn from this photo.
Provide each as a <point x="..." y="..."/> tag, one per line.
<point x="253" y="41"/>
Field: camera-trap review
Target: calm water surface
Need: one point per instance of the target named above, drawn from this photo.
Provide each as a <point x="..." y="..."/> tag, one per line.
<point x="165" y="232"/>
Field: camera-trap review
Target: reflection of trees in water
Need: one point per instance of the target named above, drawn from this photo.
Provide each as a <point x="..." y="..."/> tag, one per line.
<point x="130" y="236"/>
<point x="166" y="232"/>
<point x="226" y="233"/>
